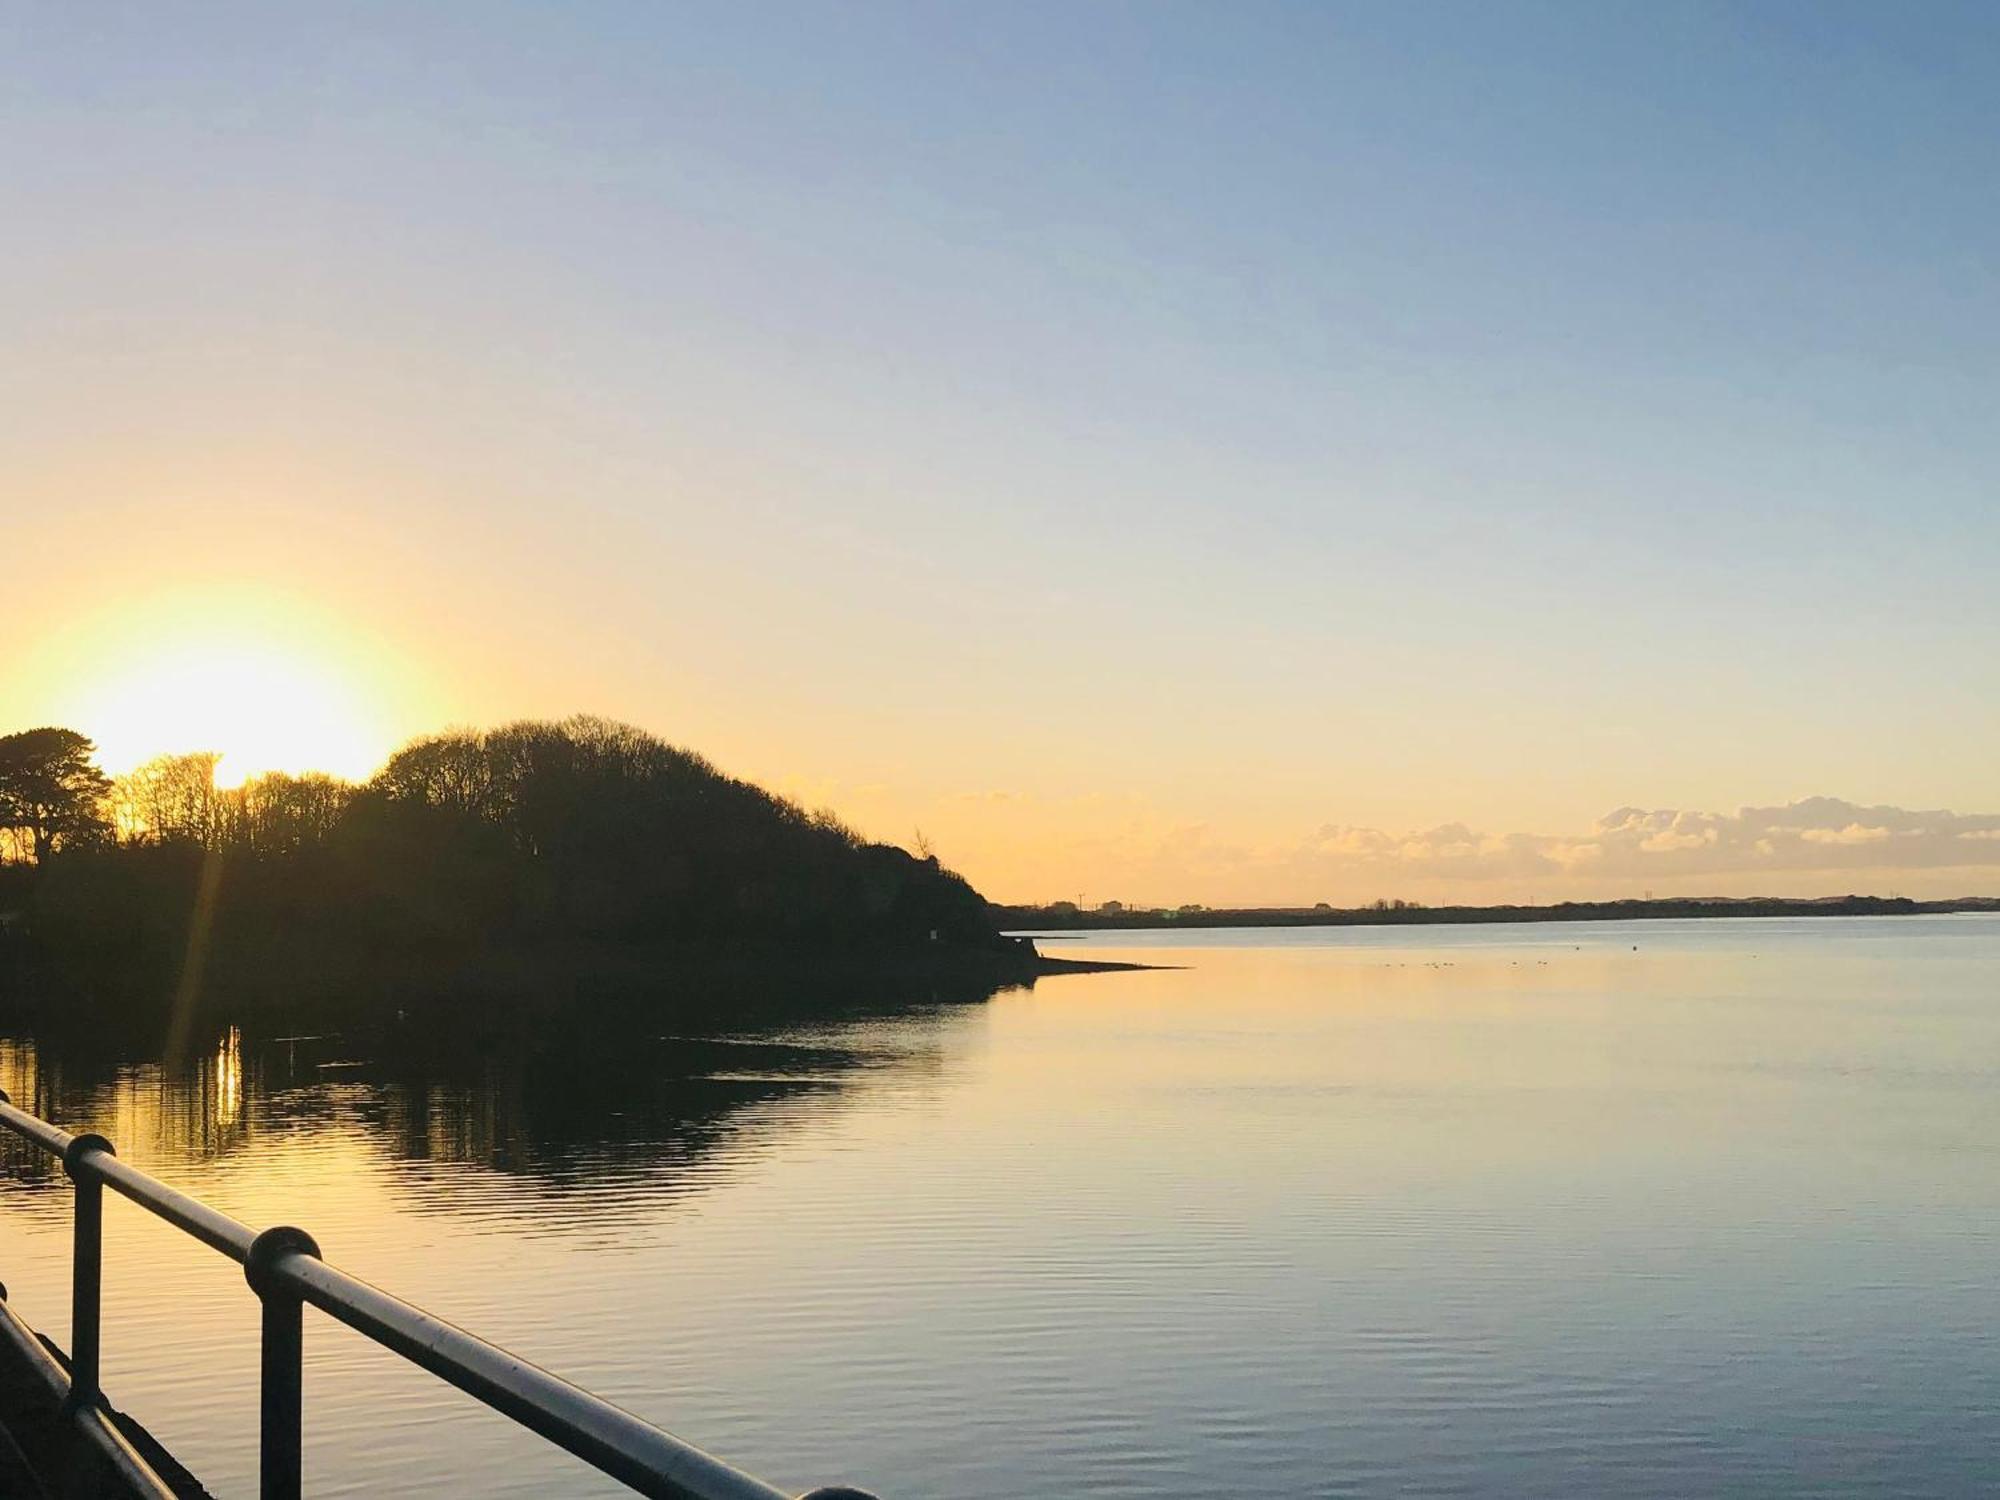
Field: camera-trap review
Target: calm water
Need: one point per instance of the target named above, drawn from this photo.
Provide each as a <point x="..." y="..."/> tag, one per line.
<point x="1491" y="1211"/>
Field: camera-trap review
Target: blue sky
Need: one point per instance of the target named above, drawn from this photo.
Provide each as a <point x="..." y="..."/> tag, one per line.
<point x="1239" y="419"/>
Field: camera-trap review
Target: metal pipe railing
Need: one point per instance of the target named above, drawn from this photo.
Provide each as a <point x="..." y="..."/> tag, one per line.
<point x="191" y="1216"/>
<point x="284" y="1268"/>
<point x="99" y="1432"/>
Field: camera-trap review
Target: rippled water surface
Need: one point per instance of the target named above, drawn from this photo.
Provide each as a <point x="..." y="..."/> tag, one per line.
<point x="1648" y="1209"/>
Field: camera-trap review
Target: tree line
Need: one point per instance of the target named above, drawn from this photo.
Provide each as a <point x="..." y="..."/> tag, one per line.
<point x="582" y="829"/>
<point x="53" y="797"/>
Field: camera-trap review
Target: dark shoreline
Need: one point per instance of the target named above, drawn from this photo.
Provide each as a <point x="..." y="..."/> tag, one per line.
<point x="499" y="987"/>
<point x="316" y="979"/>
<point x="1021" y="920"/>
<point x="1046" y="967"/>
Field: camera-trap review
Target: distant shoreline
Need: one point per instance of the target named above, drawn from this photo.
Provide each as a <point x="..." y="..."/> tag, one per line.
<point x="1064" y="918"/>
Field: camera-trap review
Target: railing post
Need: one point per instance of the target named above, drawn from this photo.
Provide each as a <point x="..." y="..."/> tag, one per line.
<point x="281" y="1433"/>
<point x="86" y="1284"/>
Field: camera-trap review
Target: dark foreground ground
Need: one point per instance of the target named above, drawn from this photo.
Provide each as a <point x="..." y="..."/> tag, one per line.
<point x="42" y="1455"/>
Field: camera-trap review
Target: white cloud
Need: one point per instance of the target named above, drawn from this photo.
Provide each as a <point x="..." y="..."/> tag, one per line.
<point x="1853" y="833"/>
<point x="1817" y="834"/>
<point x="1820" y="845"/>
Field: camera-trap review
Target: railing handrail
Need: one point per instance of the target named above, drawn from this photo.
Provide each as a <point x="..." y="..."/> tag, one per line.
<point x="285" y="1269"/>
<point x="94" y="1424"/>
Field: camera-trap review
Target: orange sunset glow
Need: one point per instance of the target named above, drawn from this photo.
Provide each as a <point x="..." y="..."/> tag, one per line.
<point x="270" y="688"/>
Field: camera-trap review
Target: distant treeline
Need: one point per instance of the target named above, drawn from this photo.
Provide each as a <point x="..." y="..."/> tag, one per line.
<point x="1067" y="915"/>
<point x="575" y="836"/>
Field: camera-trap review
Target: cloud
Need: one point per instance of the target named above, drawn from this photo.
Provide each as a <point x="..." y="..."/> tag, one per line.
<point x="1817" y="834"/>
<point x="1821" y="845"/>
<point x="1853" y="833"/>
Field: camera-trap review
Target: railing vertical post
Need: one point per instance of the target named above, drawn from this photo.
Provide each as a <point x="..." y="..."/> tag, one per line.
<point x="86" y="1285"/>
<point x="281" y="1463"/>
<point x="281" y="1433"/>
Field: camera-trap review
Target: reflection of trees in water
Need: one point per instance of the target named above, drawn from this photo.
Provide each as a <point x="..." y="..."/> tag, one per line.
<point x="598" y="1126"/>
<point x="197" y="1107"/>
<point x="587" y="1115"/>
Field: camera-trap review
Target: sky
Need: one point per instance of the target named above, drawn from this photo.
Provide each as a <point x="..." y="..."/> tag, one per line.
<point x="1221" y="454"/>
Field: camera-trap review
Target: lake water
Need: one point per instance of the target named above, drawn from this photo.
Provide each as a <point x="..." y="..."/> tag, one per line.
<point x="1644" y="1209"/>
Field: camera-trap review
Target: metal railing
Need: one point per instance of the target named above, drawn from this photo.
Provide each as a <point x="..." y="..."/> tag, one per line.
<point x="284" y="1269"/>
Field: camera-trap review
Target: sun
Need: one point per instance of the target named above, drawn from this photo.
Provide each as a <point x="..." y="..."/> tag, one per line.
<point x="267" y="695"/>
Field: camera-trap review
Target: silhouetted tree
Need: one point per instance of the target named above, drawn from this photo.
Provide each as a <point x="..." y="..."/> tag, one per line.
<point x="51" y="791"/>
<point x="281" y="814"/>
<point x="589" y="827"/>
<point x="578" y="835"/>
<point x="172" y="799"/>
